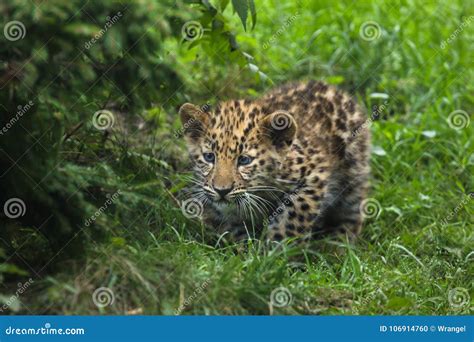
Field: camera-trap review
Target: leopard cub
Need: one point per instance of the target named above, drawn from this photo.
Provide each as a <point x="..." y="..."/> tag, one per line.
<point x="295" y="160"/>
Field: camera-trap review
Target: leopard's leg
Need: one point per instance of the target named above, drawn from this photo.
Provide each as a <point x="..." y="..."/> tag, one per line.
<point x="343" y="212"/>
<point x="234" y="227"/>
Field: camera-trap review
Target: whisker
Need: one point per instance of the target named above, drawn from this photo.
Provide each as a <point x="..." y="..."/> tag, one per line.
<point x="266" y="188"/>
<point x="261" y="203"/>
<point x="255" y="204"/>
<point x="252" y="212"/>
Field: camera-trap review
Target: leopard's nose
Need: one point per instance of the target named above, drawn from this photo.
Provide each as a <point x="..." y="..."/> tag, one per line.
<point x="223" y="192"/>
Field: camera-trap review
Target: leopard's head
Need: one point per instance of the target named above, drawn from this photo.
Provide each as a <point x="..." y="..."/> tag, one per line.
<point x="236" y="149"/>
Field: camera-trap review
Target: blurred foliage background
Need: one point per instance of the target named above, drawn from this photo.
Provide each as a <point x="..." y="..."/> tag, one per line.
<point x="139" y="60"/>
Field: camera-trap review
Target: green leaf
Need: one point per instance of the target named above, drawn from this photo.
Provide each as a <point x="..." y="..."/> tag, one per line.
<point x="242" y="8"/>
<point x="314" y="36"/>
<point x="253" y="12"/>
<point x="223" y="4"/>
<point x="206" y="4"/>
<point x="118" y="241"/>
<point x="12" y="269"/>
<point x="209" y="7"/>
<point x="82" y="29"/>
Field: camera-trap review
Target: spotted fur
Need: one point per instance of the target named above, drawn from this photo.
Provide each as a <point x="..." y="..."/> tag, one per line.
<point x="308" y="168"/>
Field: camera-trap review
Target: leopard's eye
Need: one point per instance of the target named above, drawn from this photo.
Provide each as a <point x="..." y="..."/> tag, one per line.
<point x="244" y="160"/>
<point x="209" y="157"/>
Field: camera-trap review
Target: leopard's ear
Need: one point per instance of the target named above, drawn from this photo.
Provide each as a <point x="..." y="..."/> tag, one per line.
<point x="194" y="121"/>
<point x="279" y="128"/>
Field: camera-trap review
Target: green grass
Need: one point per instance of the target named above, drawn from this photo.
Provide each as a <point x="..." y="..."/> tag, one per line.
<point x="406" y="260"/>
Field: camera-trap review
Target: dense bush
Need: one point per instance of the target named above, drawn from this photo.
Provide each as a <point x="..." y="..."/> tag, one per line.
<point x="73" y="60"/>
<point x="66" y="69"/>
